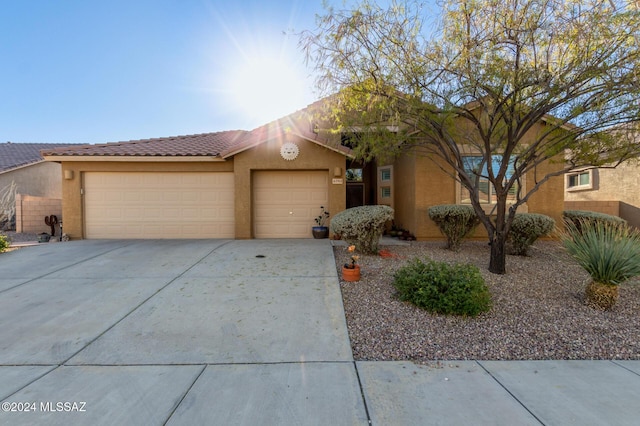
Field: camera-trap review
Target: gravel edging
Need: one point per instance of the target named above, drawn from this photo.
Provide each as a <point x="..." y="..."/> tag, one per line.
<point x="538" y="311"/>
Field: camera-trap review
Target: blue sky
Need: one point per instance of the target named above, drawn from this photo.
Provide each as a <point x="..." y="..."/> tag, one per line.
<point x="88" y="71"/>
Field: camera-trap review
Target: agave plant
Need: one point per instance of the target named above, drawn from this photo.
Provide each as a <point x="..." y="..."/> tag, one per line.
<point x="610" y="253"/>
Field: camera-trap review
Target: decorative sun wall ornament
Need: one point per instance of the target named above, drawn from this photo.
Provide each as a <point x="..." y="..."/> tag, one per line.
<point x="289" y="151"/>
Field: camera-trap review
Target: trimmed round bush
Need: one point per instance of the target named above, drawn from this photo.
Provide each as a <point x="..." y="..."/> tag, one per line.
<point x="362" y="226"/>
<point x="455" y="222"/>
<point x="525" y="229"/>
<point x="4" y="243"/>
<point x="580" y="217"/>
<point x="442" y="288"/>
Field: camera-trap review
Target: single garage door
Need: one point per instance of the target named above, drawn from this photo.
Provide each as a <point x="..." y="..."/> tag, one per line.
<point x="158" y="205"/>
<point x="286" y="202"/>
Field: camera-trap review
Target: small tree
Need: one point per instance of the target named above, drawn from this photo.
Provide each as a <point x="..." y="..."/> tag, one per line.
<point x="497" y="91"/>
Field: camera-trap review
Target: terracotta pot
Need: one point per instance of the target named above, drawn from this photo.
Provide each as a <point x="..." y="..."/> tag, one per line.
<point x="349" y="274"/>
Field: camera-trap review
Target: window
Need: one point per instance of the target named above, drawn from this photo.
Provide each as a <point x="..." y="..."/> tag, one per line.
<point x="354" y="175"/>
<point x="579" y="180"/>
<point x="385" y="185"/>
<point x="486" y="191"/>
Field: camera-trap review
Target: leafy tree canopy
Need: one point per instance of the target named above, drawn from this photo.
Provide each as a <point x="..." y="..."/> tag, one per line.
<point x="479" y="77"/>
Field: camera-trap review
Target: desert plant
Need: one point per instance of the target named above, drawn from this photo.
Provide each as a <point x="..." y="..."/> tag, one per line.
<point x="610" y="254"/>
<point x="8" y="206"/>
<point x="455" y="222"/>
<point x="526" y="228"/>
<point x="362" y="226"/>
<point x="322" y="218"/>
<point x="578" y="217"/>
<point x="4" y="243"/>
<point x="442" y="288"/>
<point x="51" y="221"/>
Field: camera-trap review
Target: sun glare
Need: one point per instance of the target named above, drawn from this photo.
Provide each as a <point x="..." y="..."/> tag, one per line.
<point x="268" y="87"/>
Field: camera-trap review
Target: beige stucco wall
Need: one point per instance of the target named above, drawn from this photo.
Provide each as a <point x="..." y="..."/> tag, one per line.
<point x="605" y="206"/>
<point x="263" y="157"/>
<point x="40" y="179"/>
<point x="434" y="186"/>
<point x="404" y="198"/>
<point x="619" y="184"/>
<point x="267" y="157"/>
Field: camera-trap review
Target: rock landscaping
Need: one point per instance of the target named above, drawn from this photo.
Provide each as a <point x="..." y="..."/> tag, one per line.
<point x="538" y="310"/>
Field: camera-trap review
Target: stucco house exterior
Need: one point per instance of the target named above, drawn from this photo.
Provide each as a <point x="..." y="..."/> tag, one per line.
<point x="265" y="183"/>
<point x="614" y="191"/>
<point x="33" y="181"/>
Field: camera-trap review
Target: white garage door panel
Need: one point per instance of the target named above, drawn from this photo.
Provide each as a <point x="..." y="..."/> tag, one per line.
<point x="159" y="205"/>
<point x="287" y="202"/>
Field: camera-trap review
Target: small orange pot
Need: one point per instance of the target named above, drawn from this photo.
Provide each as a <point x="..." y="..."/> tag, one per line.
<point x="349" y="274"/>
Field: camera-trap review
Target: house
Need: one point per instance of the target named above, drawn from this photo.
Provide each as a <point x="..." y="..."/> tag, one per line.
<point x="266" y="183"/>
<point x="36" y="184"/>
<point x="614" y="191"/>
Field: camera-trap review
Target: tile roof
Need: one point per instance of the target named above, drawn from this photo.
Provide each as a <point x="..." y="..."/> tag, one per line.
<point x="13" y="155"/>
<point x="204" y="144"/>
<point x="218" y="144"/>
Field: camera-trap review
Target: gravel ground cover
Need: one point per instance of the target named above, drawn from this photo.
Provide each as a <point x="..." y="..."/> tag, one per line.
<point x="538" y="311"/>
<point x="20" y="237"/>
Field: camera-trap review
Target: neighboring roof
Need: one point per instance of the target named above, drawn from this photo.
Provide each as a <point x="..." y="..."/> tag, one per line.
<point x="14" y="155"/>
<point x="219" y="145"/>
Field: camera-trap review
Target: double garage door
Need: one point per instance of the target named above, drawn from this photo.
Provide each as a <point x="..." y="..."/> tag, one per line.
<point x="200" y="205"/>
<point x="158" y="205"/>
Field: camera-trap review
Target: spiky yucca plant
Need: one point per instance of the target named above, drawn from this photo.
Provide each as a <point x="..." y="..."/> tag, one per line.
<point x="610" y="253"/>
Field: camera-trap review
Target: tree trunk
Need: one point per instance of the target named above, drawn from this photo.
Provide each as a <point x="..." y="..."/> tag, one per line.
<point x="498" y="261"/>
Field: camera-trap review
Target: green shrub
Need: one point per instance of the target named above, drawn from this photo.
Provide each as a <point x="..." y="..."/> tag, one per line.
<point x="610" y="253"/>
<point x="442" y="288"/>
<point x="578" y="217"/>
<point x="455" y="222"/>
<point x="362" y="226"/>
<point x="525" y="229"/>
<point x="4" y="243"/>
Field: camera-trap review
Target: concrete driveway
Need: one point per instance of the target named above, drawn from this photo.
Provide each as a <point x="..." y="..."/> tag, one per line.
<point x="189" y="332"/>
<point x="245" y="333"/>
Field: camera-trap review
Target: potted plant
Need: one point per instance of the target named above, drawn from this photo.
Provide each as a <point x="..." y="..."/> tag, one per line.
<point x="351" y="271"/>
<point x="321" y="231"/>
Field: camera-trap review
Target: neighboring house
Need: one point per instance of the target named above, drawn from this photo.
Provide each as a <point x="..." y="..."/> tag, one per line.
<point x="24" y="172"/>
<point x="613" y="191"/>
<point x="22" y="164"/>
<point x="265" y="183"/>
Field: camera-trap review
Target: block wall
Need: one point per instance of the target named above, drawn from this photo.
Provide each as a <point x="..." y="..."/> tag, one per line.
<point x="31" y="211"/>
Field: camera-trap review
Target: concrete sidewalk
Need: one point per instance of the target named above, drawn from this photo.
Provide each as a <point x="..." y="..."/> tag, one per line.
<point x="253" y="332"/>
